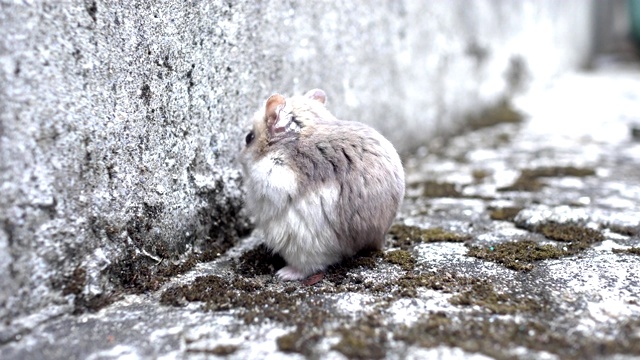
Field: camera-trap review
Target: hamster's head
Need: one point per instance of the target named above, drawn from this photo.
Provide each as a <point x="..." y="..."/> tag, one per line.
<point x="283" y="119"/>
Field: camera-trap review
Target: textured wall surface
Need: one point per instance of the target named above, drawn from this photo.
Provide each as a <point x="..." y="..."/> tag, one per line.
<point x="120" y="121"/>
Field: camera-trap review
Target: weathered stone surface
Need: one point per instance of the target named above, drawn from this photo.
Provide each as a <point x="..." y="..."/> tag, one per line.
<point x="119" y="121"/>
<point x="568" y="288"/>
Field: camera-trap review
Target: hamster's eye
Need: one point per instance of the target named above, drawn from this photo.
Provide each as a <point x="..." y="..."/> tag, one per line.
<point x="249" y="138"/>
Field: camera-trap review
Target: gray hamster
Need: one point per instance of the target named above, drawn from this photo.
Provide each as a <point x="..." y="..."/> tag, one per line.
<point x="320" y="189"/>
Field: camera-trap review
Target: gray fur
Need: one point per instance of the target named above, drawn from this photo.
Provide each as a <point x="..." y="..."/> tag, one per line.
<point x="350" y="154"/>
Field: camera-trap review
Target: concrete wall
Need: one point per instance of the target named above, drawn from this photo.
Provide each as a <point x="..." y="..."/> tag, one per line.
<point x="119" y="121"/>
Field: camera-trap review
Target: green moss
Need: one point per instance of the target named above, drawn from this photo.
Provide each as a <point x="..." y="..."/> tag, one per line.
<point x="504" y="213"/>
<point x="625" y="230"/>
<point x="299" y="341"/>
<point x="517" y="255"/>
<point x="366" y="259"/>
<point x="578" y="236"/>
<point x="479" y="175"/>
<point x="202" y="289"/>
<point x="468" y="291"/>
<point x="92" y="304"/>
<point x="137" y="273"/>
<point x="259" y="261"/>
<point x="558" y="171"/>
<point x="75" y="283"/>
<point x="402" y="258"/>
<point x="529" y="178"/>
<point x="224" y="350"/>
<point x="219" y="350"/>
<point x="289" y="342"/>
<point x="435" y="189"/>
<point x="407" y="285"/>
<point x="173" y="296"/>
<point x="494" y="337"/>
<point x="632" y="251"/>
<point x="521" y="255"/>
<point x="501" y="113"/>
<point x="406" y="236"/>
<point x="251" y="300"/>
<point x="362" y="342"/>
<point x="497" y="337"/>
<point x="483" y="294"/>
<point x="524" y="183"/>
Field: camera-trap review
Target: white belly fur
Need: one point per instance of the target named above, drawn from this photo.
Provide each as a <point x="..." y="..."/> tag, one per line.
<point x="299" y="228"/>
<point x="304" y="234"/>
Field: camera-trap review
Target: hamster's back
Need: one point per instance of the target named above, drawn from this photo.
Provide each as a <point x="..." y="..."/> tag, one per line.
<point x="367" y="172"/>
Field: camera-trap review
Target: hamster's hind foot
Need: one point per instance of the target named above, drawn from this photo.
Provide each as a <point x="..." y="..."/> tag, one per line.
<point x="289" y="273"/>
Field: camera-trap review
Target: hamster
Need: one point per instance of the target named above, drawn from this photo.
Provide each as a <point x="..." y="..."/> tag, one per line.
<point x="320" y="189"/>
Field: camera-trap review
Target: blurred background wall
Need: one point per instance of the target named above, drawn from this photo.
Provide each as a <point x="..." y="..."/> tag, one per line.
<point x="614" y="24"/>
<point x="120" y="121"/>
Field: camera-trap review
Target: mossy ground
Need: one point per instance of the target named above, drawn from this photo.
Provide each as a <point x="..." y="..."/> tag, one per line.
<point x="504" y="213"/>
<point x="219" y="350"/>
<point x="632" y="251"/>
<point x="299" y="341"/>
<point x="517" y="255"/>
<point x="362" y="340"/>
<point x="522" y="254"/>
<point x="435" y="189"/>
<point x="404" y="236"/>
<point x="529" y="179"/>
<point x="498" y="337"/>
<point x="402" y="258"/>
<point x="253" y="295"/>
<point x="625" y="230"/>
<point x="501" y="113"/>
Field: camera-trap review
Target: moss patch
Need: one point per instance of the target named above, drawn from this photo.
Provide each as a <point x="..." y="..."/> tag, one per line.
<point x="523" y="183"/>
<point x="632" y="251"/>
<point x="579" y="237"/>
<point x="558" y="171"/>
<point x="494" y="337"/>
<point x="407" y="285"/>
<point x="517" y="255"/>
<point x="435" y="189"/>
<point x="504" y="213"/>
<point x="74" y="284"/>
<point x="498" y="337"/>
<point x="212" y="289"/>
<point x="402" y="258"/>
<point x="92" y="304"/>
<point x="290" y="342"/>
<point x="299" y="341"/>
<point x="220" y="350"/>
<point x="483" y="294"/>
<point x="362" y="341"/>
<point x="251" y="301"/>
<point x="521" y="255"/>
<point x="625" y="230"/>
<point x="479" y="175"/>
<point x="137" y="273"/>
<point x="501" y="113"/>
<point x="405" y="236"/>
<point x="365" y="259"/>
<point x="529" y="179"/>
<point x="469" y="291"/>
<point x="259" y="261"/>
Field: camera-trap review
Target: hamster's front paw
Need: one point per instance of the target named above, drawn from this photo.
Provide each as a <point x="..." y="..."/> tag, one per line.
<point x="289" y="273"/>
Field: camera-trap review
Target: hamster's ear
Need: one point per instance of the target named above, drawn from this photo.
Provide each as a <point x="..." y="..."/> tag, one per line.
<point x="318" y="95"/>
<point x="272" y="108"/>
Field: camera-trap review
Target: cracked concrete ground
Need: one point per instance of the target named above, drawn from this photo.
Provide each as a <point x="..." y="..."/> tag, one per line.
<point x="516" y="240"/>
